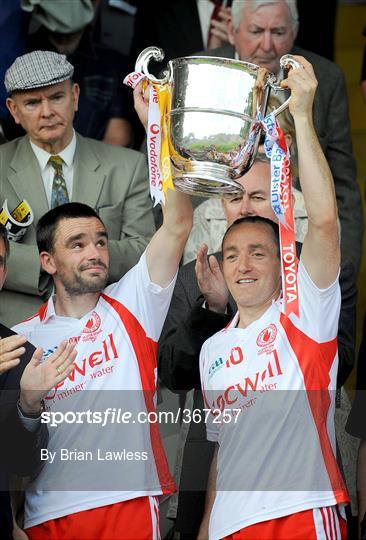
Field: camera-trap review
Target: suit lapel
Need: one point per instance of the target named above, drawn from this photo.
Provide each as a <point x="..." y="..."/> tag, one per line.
<point x="88" y="178"/>
<point x="25" y="178"/>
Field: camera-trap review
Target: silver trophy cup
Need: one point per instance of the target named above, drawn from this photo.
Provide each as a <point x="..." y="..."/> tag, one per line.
<point x="213" y="124"/>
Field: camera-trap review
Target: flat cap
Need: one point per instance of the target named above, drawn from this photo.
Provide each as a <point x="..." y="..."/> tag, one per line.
<point x="37" y="69"/>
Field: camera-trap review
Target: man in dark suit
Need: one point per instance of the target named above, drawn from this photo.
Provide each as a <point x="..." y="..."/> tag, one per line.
<point x="43" y="99"/>
<point x="22" y="433"/>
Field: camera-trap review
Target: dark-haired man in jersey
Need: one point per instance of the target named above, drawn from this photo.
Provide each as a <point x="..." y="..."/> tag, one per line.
<point x="105" y="465"/>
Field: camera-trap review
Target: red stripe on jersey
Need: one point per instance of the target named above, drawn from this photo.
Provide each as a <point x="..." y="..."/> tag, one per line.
<point x="30" y="318"/>
<point x="146" y="354"/>
<point x="41" y="313"/>
<point x="315" y="360"/>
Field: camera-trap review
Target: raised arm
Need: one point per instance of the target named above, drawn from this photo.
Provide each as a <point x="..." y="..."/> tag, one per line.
<point x="320" y="253"/>
<point x="135" y="219"/>
<point x="166" y="246"/>
<point x="165" y="249"/>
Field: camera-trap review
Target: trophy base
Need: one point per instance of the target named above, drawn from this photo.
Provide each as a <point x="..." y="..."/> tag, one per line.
<point x="206" y="180"/>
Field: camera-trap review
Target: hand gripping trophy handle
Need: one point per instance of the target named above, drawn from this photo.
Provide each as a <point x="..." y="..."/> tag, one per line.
<point x="142" y="62"/>
<point x="286" y="61"/>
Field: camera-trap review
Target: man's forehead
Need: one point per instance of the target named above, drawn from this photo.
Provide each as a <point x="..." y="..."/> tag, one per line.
<point x="257" y="179"/>
<point x="43" y="91"/>
<point x="69" y="227"/>
<point x="247" y="233"/>
<point x="279" y="13"/>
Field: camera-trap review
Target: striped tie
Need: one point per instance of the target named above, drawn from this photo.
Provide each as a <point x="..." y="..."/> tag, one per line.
<point x="59" y="193"/>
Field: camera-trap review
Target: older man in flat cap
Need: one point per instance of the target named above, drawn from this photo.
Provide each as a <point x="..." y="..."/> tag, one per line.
<point x="52" y="165"/>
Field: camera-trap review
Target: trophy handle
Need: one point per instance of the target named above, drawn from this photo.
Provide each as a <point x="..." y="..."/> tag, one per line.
<point x="143" y="60"/>
<point x="286" y="61"/>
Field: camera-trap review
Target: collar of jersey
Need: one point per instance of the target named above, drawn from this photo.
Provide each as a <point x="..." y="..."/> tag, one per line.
<point x="47" y="311"/>
<point x="234" y="322"/>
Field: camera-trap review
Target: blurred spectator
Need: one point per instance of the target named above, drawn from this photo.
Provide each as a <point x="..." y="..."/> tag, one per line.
<point x="21" y="440"/>
<point x="105" y="104"/>
<point x="13" y="31"/>
<point x="210" y="224"/>
<point x="112" y="180"/>
<point x="179" y="27"/>
<point x="116" y="24"/>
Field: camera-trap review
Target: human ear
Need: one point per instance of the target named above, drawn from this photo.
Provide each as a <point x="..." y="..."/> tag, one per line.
<point x="47" y="263"/>
<point x="13" y="109"/>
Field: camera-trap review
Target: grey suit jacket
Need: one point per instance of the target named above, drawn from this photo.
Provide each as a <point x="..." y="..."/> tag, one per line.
<point x="331" y="122"/>
<point x="112" y="180"/>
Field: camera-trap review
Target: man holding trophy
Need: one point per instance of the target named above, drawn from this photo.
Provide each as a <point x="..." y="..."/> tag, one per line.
<point x="274" y="473"/>
<point x="269" y="378"/>
<point x="261" y="31"/>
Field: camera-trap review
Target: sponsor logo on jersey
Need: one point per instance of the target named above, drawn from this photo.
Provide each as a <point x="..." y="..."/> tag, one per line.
<point x="93" y="324"/>
<point x="267" y="336"/>
<point x="236" y="357"/>
<point x="83" y="367"/>
<point x="90" y="331"/>
<point x="246" y="386"/>
<point x="215" y="367"/>
<point x="92" y="328"/>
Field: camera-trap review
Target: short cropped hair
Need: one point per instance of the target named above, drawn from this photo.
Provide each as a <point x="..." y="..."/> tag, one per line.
<point x="47" y="225"/>
<point x="238" y="6"/>
<point x="4" y="236"/>
<point x="256" y="219"/>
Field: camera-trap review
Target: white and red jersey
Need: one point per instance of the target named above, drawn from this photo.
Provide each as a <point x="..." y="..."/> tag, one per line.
<point x="271" y="390"/>
<point x="115" y="367"/>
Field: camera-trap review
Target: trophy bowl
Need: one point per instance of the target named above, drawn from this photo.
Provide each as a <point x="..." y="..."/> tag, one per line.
<point x="213" y="125"/>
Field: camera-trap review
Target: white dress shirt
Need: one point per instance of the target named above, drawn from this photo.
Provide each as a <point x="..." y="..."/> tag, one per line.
<point x="48" y="172"/>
